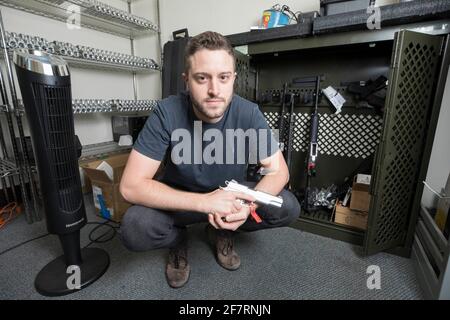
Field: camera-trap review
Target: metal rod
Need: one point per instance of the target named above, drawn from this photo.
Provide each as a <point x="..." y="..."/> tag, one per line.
<point x="3" y="144"/>
<point x="22" y="141"/>
<point x="132" y="53"/>
<point x="13" y="188"/>
<point x="5" y="189"/>
<point x="8" y="178"/>
<point x="159" y="37"/>
<point x="4" y="155"/>
<point x="134" y="74"/>
<point x="28" y="209"/>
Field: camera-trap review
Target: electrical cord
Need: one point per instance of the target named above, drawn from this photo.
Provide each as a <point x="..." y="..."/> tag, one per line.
<point x="11" y="211"/>
<point x="22" y="243"/>
<point x="299" y="16"/>
<point x="440" y="195"/>
<point x="100" y="225"/>
<point x="92" y="241"/>
<point x="292" y="15"/>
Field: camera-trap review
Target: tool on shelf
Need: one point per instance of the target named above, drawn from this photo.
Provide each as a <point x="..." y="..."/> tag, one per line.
<point x="75" y="52"/>
<point x="93" y="14"/>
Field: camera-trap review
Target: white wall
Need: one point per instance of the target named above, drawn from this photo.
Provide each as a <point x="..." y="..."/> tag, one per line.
<point x="97" y="84"/>
<point x="149" y="85"/>
<point x="226" y="17"/>
<point x="439" y="166"/>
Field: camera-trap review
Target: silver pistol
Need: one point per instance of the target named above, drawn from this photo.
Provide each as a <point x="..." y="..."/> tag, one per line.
<point x="261" y="197"/>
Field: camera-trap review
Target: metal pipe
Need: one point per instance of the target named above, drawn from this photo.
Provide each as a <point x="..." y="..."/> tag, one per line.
<point x="28" y="214"/>
<point x="5" y="189"/>
<point x="159" y="37"/>
<point x="4" y="154"/>
<point x="32" y="214"/>
<point x="132" y="53"/>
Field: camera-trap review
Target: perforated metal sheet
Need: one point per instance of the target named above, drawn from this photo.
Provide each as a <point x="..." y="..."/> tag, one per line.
<point x="242" y="87"/>
<point x="345" y="135"/>
<point x="398" y="161"/>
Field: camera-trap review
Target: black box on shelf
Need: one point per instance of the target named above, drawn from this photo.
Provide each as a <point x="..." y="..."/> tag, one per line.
<point x="342" y="6"/>
<point x="127" y="125"/>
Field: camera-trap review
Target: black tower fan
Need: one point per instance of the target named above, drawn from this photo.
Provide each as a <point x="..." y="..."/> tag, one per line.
<point x="46" y="92"/>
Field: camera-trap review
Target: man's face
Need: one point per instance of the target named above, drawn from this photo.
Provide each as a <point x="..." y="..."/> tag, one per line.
<point x="210" y="81"/>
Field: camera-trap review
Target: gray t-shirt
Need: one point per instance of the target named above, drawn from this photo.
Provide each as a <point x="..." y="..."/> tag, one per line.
<point x="202" y="156"/>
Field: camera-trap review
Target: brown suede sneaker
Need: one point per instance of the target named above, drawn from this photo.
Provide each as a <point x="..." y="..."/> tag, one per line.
<point x="222" y="241"/>
<point x="177" y="268"/>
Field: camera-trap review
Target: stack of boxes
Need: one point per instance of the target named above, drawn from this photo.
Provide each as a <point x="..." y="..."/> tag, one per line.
<point x="356" y="215"/>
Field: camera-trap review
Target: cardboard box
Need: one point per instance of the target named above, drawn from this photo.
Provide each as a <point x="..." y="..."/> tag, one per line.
<point x="85" y="181"/>
<point x="86" y="185"/>
<point x="360" y="198"/>
<point x="349" y="217"/>
<point x="105" y="178"/>
<point x="443" y="208"/>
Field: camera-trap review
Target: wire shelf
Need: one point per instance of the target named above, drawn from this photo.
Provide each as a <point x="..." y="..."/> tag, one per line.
<point x="89" y="106"/>
<point x="7" y="168"/>
<point x="101" y="150"/>
<point x="93" y="15"/>
<point x="100" y="65"/>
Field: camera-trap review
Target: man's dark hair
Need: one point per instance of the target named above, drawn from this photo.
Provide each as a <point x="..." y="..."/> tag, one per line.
<point x="207" y="40"/>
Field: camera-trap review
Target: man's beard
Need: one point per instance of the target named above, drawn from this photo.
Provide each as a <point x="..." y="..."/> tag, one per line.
<point x="210" y="114"/>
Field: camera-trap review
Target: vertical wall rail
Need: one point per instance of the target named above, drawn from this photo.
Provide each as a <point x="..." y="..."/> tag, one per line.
<point x="132" y="53"/>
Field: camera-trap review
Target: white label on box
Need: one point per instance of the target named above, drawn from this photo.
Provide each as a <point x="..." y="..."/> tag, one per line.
<point x="104" y="166"/>
<point x="96" y="191"/>
<point x="363" y="178"/>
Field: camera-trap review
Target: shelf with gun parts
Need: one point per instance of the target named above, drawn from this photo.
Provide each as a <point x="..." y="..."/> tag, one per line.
<point x="87" y="106"/>
<point x="82" y="56"/>
<point x="93" y="15"/>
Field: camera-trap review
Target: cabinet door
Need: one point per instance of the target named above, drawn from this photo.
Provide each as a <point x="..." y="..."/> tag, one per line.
<point x="242" y="85"/>
<point x="414" y="65"/>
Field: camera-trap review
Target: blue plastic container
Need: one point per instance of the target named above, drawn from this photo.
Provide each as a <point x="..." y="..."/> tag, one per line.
<point x="274" y="18"/>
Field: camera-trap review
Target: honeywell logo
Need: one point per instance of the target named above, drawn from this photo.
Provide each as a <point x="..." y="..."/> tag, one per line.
<point x="75" y="223"/>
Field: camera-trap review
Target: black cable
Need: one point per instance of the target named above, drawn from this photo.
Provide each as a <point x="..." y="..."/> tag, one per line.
<point x="301" y="20"/>
<point x="99" y="225"/>
<point x="22" y="243"/>
<point x="97" y="240"/>
<point x="291" y="14"/>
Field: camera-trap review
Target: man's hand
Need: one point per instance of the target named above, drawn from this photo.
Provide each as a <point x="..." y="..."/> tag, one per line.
<point x="232" y="221"/>
<point x="224" y="202"/>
